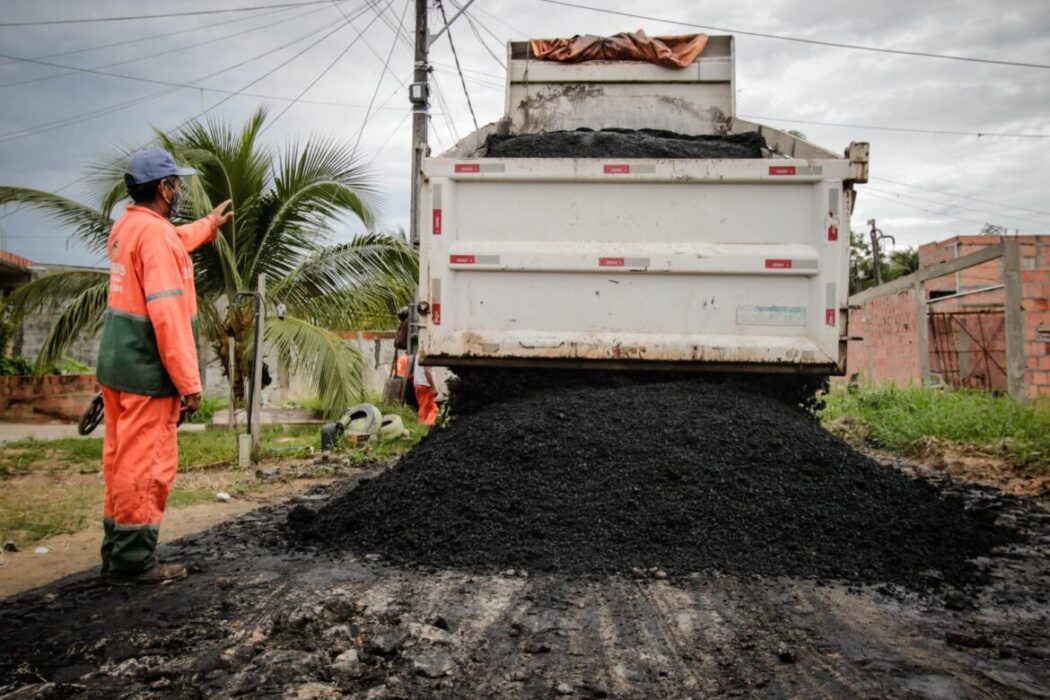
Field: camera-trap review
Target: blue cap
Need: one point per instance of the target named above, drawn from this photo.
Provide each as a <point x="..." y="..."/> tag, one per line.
<point x="151" y="164"/>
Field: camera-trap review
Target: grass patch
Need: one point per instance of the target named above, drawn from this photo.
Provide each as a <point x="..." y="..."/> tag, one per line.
<point x="899" y="419"/>
<point x="197" y="450"/>
<point x="35" y="507"/>
<point x="189" y="497"/>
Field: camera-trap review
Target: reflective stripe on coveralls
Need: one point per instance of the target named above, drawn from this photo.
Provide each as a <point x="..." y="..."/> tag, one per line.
<point x="147" y="362"/>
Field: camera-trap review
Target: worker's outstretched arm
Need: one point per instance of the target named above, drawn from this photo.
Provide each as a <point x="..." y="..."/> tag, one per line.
<point x="169" y="311"/>
<point x="204" y="230"/>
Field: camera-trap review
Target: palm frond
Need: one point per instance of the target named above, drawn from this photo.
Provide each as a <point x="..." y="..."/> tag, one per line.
<point x="373" y="264"/>
<point x="335" y="367"/>
<point x="53" y="290"/>
<point x="89" y="225"/>
<point x="81" y="318"/>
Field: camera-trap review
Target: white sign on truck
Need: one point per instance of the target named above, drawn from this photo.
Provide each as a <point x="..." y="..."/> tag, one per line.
<point x="717" y="264"/>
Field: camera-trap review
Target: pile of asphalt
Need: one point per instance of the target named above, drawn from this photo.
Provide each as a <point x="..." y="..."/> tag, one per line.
<point x="683" y="476"/>
<point x="623" y="143"/>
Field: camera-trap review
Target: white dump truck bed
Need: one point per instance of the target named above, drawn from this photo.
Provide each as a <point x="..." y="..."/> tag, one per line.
<point x="732" y="265"/>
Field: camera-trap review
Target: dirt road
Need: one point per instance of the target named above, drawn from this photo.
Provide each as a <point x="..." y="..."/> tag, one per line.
<point x="260" y="619"/>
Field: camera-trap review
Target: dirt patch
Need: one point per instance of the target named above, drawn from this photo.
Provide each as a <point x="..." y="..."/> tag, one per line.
<point x="973" y="465"/>
<point x="25" y="570"/>
<point x="623" y="143"/>
<point x="661" y="479"/>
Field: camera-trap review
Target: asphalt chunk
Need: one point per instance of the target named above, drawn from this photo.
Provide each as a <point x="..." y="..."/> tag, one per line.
<point x="683" y="475"/>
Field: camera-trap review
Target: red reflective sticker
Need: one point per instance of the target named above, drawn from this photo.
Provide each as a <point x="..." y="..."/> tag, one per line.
<point x="617" y="169"/>
<point x="435" y="314"/>
<point x="829" y="317"/>
<point x="611" y="262"/>
<point x="833" y="233"/>
<point x="468" y="167"/>
<point x="782" y="170"/>
<point x="461" y="259"/>
<point x="436" y="224"/>
<point x="777" y="264"/>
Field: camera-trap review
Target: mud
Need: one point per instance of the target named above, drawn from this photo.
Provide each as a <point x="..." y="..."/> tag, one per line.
<point x="623" y="143"/>
<point x="256" y="619"/>
<point x="664" y="479"/>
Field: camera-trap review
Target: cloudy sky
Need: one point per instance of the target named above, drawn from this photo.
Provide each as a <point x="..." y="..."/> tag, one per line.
<point x="924" y="186"/>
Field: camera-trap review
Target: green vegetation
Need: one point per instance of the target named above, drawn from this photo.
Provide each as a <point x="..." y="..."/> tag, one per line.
<point x="900" y="419"/>
<point x="16" y="366"/>
<point x="289" y="203"/>
<point x="210" y="405"/>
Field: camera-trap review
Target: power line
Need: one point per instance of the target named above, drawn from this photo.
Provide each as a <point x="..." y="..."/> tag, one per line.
<point x="68" y="121"/>
<point x="379" y="83"/>
<point x="478" y="36"/>
<point x="455" y="56"/>
<point x="323" y="73"/>
<point x="180" y="49"/>
<point x="959" y="196"/>
<point x="125" y="18"/>
<point x="927" y="210"/>
<point x="781" y="37"/>
<point x="514" y="30"/>
<point x="222" y="101"/>
<point x="126" y="42"/>
<point x="955" y="206"/>
<point x="903" y="129"/>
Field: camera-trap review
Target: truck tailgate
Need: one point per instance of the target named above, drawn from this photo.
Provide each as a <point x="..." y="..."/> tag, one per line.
<point x="705" y="264"/>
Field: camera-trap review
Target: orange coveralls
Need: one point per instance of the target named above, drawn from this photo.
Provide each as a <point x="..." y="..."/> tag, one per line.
<point x="426" y="395"/>
<point x="147" y="362"/>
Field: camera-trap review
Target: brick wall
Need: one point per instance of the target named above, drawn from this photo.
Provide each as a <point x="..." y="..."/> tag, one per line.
<point x="889" y="349"/>
<point x="1035" y="299"/>
<point x="44" y="399"/>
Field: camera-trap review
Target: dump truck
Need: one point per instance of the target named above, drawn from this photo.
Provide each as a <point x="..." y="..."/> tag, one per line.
<point x="725" y="265"/>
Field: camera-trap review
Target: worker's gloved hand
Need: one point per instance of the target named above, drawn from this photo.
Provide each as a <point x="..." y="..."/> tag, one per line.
<point x="191" y="402"/>
<point x="220" y="213"/>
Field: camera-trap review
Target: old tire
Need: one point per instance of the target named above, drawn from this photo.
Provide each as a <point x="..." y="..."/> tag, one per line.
<point x="391" y="427"/>
<point x="362" y="419"/>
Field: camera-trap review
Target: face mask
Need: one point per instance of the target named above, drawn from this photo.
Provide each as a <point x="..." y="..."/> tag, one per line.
<point x="176" y="200"/>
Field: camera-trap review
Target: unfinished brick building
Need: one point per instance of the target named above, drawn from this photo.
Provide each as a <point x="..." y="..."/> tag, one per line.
<point x="976" y="314"/>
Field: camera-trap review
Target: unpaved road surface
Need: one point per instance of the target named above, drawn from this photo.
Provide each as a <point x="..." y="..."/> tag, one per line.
<point x="260" y="618"/>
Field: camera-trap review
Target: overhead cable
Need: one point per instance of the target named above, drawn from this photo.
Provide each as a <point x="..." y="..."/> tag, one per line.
<point x="269" y="124"/>
<point x="180" y="49"/>
<point x="800" y="40"/>
<point x="164" y="15"/>
<point x="455" y="56"/>
<point x="905" y="129"/>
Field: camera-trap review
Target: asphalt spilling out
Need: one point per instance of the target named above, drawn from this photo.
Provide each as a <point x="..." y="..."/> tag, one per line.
<point x="623" y="143"/>
<point x="671" y="477"/>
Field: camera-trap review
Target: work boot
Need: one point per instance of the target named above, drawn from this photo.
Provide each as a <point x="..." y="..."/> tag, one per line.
<point x="157" y="574"/>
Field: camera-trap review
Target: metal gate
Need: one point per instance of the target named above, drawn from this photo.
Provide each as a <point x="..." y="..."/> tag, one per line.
<point x="969" y="348"/>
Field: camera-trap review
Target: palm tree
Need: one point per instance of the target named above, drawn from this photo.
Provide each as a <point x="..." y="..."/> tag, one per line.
<point x="286" y="204"/>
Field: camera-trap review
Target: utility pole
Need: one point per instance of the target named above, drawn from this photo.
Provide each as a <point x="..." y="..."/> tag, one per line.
<point x="419" y="95"/>
<point x="876" y="258"/>
<point x="260" y="327"/>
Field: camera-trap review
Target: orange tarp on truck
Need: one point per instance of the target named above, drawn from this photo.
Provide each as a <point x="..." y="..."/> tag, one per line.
<point x="670" y="51"/>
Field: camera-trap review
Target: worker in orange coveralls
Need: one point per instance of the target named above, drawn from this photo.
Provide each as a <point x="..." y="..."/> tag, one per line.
<point x="426" y="396"/>
<point x="148" y="362"/>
